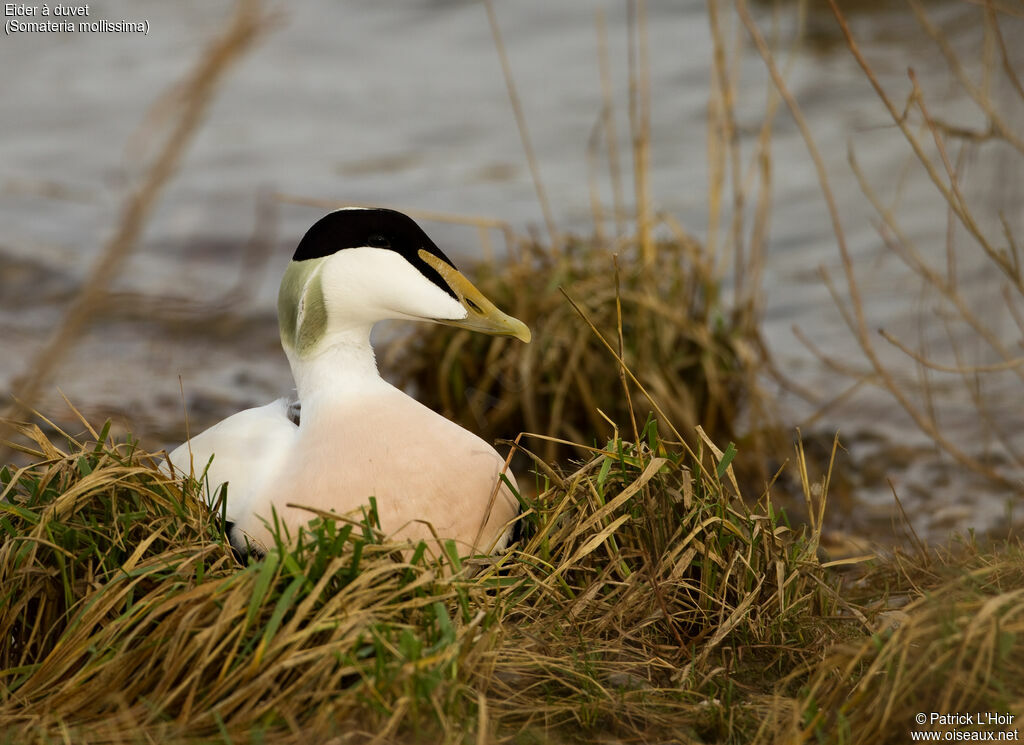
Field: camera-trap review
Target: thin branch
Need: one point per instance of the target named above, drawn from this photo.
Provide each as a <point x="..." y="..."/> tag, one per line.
<point x="608" y="114"/>
<point x="954" y="369"/>
<point x="904" y="248"/>
<point x="524" y="132"/>
<point x="982" y="101"/>
<point x="859" y="329"/>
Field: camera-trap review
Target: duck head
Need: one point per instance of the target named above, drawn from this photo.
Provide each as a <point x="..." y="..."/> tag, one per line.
<point x="357" y="266"/>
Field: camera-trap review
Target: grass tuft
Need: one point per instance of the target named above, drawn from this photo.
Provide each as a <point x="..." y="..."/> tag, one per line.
<point x="947" y="641"/>
<point x="699" y="357"/>
<point x="644" y="597"/>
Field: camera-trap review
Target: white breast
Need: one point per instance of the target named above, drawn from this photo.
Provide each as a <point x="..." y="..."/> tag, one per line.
<point x="421" y="467"/>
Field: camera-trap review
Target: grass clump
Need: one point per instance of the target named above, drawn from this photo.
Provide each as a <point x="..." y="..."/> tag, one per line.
<point x="948" y="642"/>
<point x="659" y="595"/>
<point x="72" y="522"/>
<point x="643" y="600"/>
<point x="697" y="356"/>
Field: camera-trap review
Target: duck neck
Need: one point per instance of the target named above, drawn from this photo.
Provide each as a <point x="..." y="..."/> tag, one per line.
<point x="342" y="365"/>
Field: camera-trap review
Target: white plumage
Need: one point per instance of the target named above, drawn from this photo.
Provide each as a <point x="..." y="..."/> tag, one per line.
<point x="358" y="435"/>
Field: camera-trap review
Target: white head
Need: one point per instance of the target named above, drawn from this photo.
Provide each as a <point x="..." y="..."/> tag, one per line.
<point x="355" y="267"/>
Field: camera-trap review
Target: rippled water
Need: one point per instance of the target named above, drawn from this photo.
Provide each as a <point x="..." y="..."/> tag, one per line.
<point x="406" y="106"/>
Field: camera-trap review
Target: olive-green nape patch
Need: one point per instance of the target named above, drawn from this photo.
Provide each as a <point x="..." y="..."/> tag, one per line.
<point x="301" y="311"/>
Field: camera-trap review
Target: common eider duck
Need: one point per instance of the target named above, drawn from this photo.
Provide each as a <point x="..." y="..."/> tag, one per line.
<point x="359" y="436"/>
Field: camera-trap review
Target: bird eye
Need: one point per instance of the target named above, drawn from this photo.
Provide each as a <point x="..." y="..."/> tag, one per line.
<point x="378" y="241"/>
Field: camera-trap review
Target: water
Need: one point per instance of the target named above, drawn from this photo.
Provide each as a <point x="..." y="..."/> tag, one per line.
<point x="407" y="107"/>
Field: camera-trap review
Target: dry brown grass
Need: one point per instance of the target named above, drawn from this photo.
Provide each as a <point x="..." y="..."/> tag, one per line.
<point x="948" y="642"/>
<point x="643" y="603"/>
<point x="698" y="361"/>
<point x="650" y="288"/>
<point x="647" y="601"/>
<point x="640" y="601"/>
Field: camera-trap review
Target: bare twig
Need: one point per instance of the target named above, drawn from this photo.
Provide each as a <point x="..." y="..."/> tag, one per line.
<point x="857" y="320"/>
<point x="640" y="123"/>
<point x="982" y="101"/>
<point x="608" y="115"/>
<point x="524" y="132"/>
<point x="476" y="221"/>
<point x="957" y="369"/>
